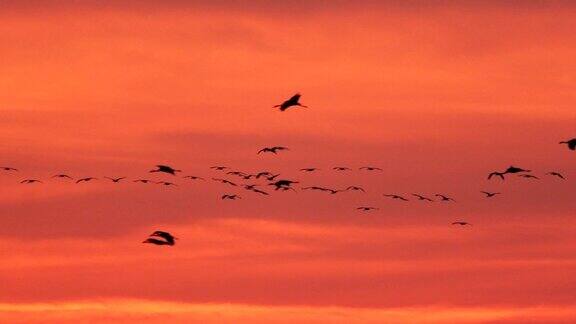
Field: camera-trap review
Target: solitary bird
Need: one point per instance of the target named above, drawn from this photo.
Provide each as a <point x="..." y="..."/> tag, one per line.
<point x="166" y="183"/>
<point x="490" y="194"/>
<point x="528" y="176"/>
<point x="231" y="197"/>
<point x="86" y="179"/>
<point x="62" y="176"/>
<point x="496" y="174"/>
<point x="341" y="168"/>
<point x="444" y="198"/>
<point x="219" y="168"/>
<point x="156" y="241"/>
<point x="8" y="169"/>
<point x="273" y="149"/>
<point x="461" y="223"/>
<point x="309" y="169"/>
<point x="571" y="143"/>
<point x="143" y="180"/>
<point x="115" y="180"/>
<point x="165" y="169"/>
<point x="224" y="181"/>
<point x="420" y="197"/>
<point x="366" y="208"/>
<point x="369" y="168"/>
<point x="31" y="181"/>
<point x="166" y="236"/>
<point x="293" y="101"/>
<point x="194" y="177"/>
<point x="396" y="197"/>
<point x="556" y="174"/>
<point x="355" y="188"/>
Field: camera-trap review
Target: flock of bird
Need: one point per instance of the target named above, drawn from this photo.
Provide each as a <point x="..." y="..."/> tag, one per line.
<point x="274" y="182"/>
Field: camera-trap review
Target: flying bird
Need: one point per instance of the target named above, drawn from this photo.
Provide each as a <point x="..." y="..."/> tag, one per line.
<point x="332" y="191"/>
<point x="224" y="181"/>
<point x="461" y="223"/>
<point x="115" y="180"/>
<point x="166" y="183"/>
<point x="231" y="197"/>
<point x="355" y="188"/>
<point x="271" y="177"/>
<point x="513" y="169"/>
<point x="282" y="183"/>
<point x="273" y="149"/>
<point x="219" y="168"/>
<point x="396" y="197"/>
<point x="341" y="168"/>
<point x="571" y="143"/>
<point x="556" y="174"/>
<point x="293" y="101"/>
<point x="259" y="191"/>
<point x="62" y="176"/>
<point x="31" y="181"/>
<point x="143" y="180"/>
<point x="194" y="177"/>
<point x="263" y="174"/>
<point x="367" y="208"/>
<point x="496" y="174"/>
<point x="444" y="198"/>
<point x="166" y="236"/>
<point x="86" y="179"/>
<point x="528" y="176"/>
<point x="490" y="194"/>
<point x="8" y="169"/>
<point x="420" y="197"/>
<point x="165" y="169"/>
<point x="309" y="169"/>
<point x="369" y="168"/>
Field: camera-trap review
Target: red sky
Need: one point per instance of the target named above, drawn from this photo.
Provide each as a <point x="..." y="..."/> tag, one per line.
<point x="436" y="93"/>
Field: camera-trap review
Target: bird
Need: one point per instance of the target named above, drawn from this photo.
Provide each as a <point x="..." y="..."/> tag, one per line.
<point x="461" y="223"/>
<point x="194" y="177"/>
<point x="366" y="208"/>
<point x="224" y="181"/>
<point x="556" y="174"/>
<point x="309" y="169"/>
<point x="219" y="168"/>
<point x="143" y="180"/>
<point x="332" y="191"/>
<point x="396" y="197"/>
<point x="497" y="174"/>
<point x="420" y="197"/>
<point x="571" y="143"/>
<point x="155" y="241"/>
<point x="165" y="169"/>
<point x="259" y="191"/>
<point x="271" y="177"/>
<point x="513" y="169"/>
<point x="8" y="169"/>
<point x="86" y="179"/>
<point x="61" y="176"/>
<point x="293" y="101"/>
<point x="31" y="181"/>
<point x="262" y="174"/>
<point x="444" y="198"/>
<point x="369" y="168"/>
<point x="528" y="176"/>
<point x="282" y="183"/>
<point x="341" y="168"/>
<point x="231" y="197"/>
<point x="115" y="180"/>
<point x="273" y="149"/>
<point x="166" y="183"/>
<point x="166" y="236"/>
<point x="490" y="194"/>
<point x="355" y="188"/>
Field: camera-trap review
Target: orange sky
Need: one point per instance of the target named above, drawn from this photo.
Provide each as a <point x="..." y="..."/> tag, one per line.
<point x="438" y="94"/>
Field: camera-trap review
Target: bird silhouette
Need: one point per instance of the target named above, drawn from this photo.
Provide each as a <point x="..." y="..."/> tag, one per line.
<point x="273" y="149"/>
<point x="263" y="174"/>
<point x="237" y="173"/>
<point x="396" y="197"/>
<point x="62" y="176"/>
<point x="461" y="223"/>
<point x="165" y="169"/>
<point x="355" y="188"/>
<point x="8" y="169"/>
<point x="367" y="208"/>
<point x="143" y="180"/>
<point x="513" y="169"/>
<point x="556" y="174"/>
<point x="369" y="168"/>
<point x="194" y="177"/>
<point x="571" y="143"/>
<point x="496" y="174"/>
<point x="293" y="101"/>
<point x="282" y="183"/>
<point x="219" y="168"/>
<point x="166" y="183"/>
<point x="444" y="198"/>
<point x="166" y="236"/>
<point x="259" y="191"/>
<point x="224" y="181"/>
<point x="115" y="180"/>
<point x="341" y="168"/>
<point x="272" y="177"/>
<point x="31" y="181"/>
<point x="231" y="197"/>
<point x="332" y="191"/>
<point x="528" y="176"/>
<point x="490" y="194"/>
<point x="309" y="169"/>
<point x="156" y="241"/>
<point x="420" y="197"/>
<point x="86" y="179"/>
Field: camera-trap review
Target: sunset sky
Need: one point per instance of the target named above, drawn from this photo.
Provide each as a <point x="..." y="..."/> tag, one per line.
<point x="436" y="93"/>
